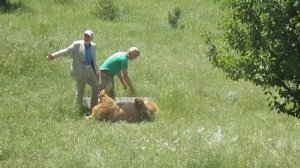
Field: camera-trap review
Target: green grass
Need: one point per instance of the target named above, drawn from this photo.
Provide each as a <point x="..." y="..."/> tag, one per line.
<point x="206" y="120"/>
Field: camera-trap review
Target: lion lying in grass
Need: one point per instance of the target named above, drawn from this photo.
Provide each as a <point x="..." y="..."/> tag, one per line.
<point x="137" y="111"/>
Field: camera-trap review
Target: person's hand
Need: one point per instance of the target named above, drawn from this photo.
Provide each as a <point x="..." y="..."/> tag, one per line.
<point x="50" y="57"/>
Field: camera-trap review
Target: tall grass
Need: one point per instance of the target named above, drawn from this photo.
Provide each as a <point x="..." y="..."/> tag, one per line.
<point x="206" y="120"/>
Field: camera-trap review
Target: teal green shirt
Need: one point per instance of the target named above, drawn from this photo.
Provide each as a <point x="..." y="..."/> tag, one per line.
<point x="115" y="63"/>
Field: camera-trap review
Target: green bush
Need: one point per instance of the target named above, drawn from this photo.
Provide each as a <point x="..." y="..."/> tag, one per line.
<point x="7" y="6"/>
<point x="106" y="10"/>
<point x="263" y="40"/>
<point x="3" y="3"/>
<point x="173" y="17"/>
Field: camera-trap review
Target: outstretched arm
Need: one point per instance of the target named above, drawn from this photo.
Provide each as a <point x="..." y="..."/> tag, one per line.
<point x="59" y="53"/>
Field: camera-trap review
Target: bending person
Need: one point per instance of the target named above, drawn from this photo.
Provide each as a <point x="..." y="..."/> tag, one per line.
<point x="117" y="64"/>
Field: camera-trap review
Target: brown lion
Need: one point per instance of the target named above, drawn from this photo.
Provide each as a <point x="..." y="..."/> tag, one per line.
<point x="137" y="111"/>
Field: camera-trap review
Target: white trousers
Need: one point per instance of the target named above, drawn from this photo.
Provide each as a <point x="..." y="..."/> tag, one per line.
<point x="88" y="77"/>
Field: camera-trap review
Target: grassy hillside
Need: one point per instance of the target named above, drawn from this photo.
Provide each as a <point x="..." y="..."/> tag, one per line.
<point x="206" y="120"/>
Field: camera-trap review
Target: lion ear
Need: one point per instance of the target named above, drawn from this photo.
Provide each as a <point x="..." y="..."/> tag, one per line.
<point x="102" y="93"/>
<point x="139" y="101"/>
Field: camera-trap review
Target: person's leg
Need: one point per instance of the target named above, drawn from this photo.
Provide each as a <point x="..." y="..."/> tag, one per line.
<point x="107" y="83"/>
<point x="80" y="91"/>
<point x="80" y="83"/>
<point x="112" y="93"/>
<point x="93" y="81"/>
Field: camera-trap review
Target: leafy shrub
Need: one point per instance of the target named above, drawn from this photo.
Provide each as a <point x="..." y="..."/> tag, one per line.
<point x="265" y="38"/>
<point x="7" y="6"/>
<point x="106" y="10"/>
<point x="3" y="3"/>
<point x="173" y="17"/>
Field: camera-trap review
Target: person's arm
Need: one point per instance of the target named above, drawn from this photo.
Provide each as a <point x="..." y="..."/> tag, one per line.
<point x="60" y="53"/>
<point x="120" y="76"/>
<point x="128" y="81"/>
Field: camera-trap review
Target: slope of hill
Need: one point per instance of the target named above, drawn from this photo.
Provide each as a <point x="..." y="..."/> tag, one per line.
<point x="206" y="120"/>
